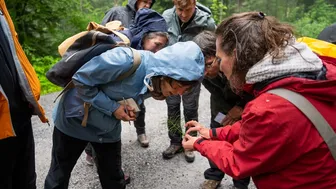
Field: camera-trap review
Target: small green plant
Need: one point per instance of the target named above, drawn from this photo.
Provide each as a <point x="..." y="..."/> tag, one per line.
<point x="175" y="127"/>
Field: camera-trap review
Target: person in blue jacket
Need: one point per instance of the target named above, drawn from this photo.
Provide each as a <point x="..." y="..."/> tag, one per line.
<point x="149" y="32"/>
<point x="162" y="74"/>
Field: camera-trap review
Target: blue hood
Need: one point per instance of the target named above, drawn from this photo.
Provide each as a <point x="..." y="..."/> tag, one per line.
<point x="182" y="61"/>
<point x="146" y="20"/>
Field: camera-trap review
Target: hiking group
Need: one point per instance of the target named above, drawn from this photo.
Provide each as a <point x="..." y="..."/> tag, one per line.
<point x="273" y="97"/>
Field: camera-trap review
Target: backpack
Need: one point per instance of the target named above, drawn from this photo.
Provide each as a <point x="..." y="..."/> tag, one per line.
<point x="325" y="51"/>
<point x="82" y="47"/>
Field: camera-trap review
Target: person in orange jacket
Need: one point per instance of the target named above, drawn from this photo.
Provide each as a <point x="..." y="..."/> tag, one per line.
<point x="19" y="94"/>
<point x="275" y="142"/>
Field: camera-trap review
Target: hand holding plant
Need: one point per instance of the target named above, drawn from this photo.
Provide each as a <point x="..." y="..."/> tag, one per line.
<point x="188" y="142"/>
<point x="195" y="126"/>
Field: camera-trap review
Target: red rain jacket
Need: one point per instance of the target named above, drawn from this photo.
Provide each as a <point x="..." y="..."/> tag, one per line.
<point x="275" y="143"/>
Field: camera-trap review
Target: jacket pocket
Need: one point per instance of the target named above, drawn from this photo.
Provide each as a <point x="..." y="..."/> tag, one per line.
<point x="73" y="105"/>
<point x="103" y="124"/>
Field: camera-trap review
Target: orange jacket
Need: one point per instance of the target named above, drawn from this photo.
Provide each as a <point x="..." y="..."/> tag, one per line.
<point x="29" y="82"/>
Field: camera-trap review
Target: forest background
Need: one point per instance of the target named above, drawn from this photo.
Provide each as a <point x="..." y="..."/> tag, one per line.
<point x="43" y="24"/>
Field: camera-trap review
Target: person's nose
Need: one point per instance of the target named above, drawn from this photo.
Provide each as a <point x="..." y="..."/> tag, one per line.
<point x="182" y="14"/>
<point x="147" y="5"/>
<point x="206" y="73"/>
<point x="181" y="91"/>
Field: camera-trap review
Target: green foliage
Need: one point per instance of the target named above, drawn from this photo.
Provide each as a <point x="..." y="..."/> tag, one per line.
<point x="319" y="15"/>
<point x="218" y="10"/>
<point x="43" y="24"/>
<point x="161" y="6"/>
<point x="175" y="126"/>
<point x="41" y="66"/>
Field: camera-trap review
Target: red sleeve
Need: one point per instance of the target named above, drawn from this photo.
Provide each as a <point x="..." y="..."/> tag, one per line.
<point x="228" y="133"/>
<point x="263" y="145"/>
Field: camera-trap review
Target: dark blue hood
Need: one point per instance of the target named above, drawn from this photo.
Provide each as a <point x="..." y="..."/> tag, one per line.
<point x="146" y="20"/>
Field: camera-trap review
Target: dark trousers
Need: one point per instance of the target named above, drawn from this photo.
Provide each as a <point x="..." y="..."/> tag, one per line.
<point x="17" y="170"/>
<point x="213" y="173"/>
<point x="190" y="111"/>
<point x="65" y="152"/>
<point x="139" y="125"/>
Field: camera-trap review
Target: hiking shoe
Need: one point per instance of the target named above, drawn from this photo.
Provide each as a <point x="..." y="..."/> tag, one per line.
<point x="171" y="151"/>
<point x="142" y="139"/>
<point x="189" y="156"/>
<point x="89" y="160"/>
<point x="210" y="184"/>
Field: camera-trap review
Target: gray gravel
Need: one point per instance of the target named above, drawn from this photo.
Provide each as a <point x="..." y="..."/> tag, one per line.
<point x="147" y="168"/>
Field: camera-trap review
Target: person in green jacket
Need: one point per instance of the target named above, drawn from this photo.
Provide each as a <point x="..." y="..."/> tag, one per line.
<point x="185" y="20"/>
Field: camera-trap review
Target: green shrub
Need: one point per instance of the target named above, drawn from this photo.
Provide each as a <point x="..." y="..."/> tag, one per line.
<point x="42" y="65"/>
<point x="318" y="16"/>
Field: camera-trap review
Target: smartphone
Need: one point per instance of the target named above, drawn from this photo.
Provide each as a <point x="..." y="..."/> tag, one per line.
<point x="220" y="117"/>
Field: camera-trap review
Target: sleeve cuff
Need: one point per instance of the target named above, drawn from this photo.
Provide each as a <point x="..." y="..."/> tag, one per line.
<point x="197" y="144"/>
<point x="213" y="133"/>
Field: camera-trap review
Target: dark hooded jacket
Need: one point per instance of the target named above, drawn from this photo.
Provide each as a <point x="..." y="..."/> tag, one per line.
<point x="328" y="34"/>
<point x="201" y="21"/>
<point x="146" y="20"/>
<point x="124" y="14"/>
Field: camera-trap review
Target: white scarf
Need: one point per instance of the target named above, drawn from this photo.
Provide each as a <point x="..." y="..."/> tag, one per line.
<point x="297" y="58"/>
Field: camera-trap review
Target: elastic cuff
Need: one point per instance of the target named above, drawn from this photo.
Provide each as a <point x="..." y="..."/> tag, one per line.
<point x="213" y="133"/>
<point x="197" y="144"/>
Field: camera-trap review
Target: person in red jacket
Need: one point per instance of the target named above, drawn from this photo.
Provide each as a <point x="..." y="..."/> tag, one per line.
<point x="275" y="142"/>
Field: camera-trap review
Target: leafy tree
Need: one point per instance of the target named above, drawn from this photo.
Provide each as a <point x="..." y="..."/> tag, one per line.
<point x="161" y="6"/>
<point x="218" y="10"/>
<point x="319" y="15"/>
<point x="43" y="24"/>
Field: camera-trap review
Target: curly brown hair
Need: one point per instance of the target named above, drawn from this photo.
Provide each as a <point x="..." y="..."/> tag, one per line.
<point x="251" y="35"/>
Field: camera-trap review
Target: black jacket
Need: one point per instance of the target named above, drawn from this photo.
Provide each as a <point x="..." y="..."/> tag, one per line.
<point x="124" y="14"/>
<point x="222" y="97"/>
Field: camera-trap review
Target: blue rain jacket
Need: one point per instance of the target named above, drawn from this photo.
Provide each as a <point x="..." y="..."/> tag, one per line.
<point x="146" y="20"/>
<point x="96" y="83"/>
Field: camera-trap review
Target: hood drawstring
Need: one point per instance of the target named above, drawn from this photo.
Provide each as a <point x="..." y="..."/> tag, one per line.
<point x="146" y="81"/>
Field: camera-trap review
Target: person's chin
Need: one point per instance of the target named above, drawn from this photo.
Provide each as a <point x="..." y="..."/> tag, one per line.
<point x="211" y="76"/>
<point x="184" y="20"/>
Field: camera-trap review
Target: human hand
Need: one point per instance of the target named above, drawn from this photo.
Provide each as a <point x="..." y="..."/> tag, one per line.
<point x="121" y="114"/>
<point x="232" y="116"/>
<point x="188" y="142"/>
<point x="195" y="126"/>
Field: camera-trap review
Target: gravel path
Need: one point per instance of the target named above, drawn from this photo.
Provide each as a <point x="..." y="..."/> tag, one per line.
<point x="147" y="168"/>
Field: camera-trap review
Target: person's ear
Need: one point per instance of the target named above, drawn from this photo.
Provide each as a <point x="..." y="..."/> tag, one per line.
<point x="235" y="54"/>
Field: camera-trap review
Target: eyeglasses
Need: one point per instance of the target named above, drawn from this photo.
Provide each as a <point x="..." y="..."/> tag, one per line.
<point x="216" y="60"/>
